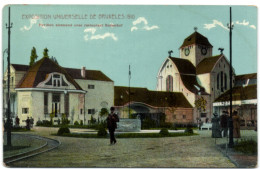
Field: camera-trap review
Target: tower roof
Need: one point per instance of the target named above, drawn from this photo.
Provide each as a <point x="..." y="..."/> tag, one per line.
<point x="196" y="38"/>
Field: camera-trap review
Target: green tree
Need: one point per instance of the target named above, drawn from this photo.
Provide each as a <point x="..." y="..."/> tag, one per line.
<point x="33" y="56"/>
<point x="201" y="104"/>
<point x="45" y="52"/>
<point x="103" y="113"/>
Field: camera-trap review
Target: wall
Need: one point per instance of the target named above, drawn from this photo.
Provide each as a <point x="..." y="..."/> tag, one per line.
<point x="102" y="96"/>
<point x="176" y="115"/>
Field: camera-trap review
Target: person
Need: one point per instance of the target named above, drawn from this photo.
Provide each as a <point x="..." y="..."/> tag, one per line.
<point x="111" y="125"/>
<point x="236" y="125"/>
<point x="216" y="132"/>
<point x="224" y="123"/>
<point x="17" y="121"/>
<point x="31" y="122"/>
<point x="27" y="123"/>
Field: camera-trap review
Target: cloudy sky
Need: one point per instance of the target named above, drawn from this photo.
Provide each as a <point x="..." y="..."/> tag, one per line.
<point x="78" y="36"/>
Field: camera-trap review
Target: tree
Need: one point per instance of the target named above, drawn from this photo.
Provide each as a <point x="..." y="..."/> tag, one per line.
<point x="201" y="104"/>
<point x="33" y="56"/>
<point x="104" y="112"/>
<point x="45" y="52"/>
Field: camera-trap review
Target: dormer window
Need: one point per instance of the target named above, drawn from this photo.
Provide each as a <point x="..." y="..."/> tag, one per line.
<point x="56" y="80"/>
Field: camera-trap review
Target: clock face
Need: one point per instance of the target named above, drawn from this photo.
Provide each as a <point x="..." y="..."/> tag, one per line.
<point x="187" y="51"/>
<point x="204" y="51"/>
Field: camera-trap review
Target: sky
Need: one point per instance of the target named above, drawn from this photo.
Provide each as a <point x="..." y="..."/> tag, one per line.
<point x="142" y="38"/>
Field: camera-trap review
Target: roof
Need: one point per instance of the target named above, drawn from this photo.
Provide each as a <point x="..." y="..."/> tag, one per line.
<point x="188" y="74"/>
<point x="153" y="98"/>
<point x="207" y="64"/>
<point x="39" y="71"/>
<point x="90" y="74"/>
<point x="246" y="76"/>
<point x="19" y="67"/>
<point x="196" y="38"/>
<point x="239" y="93"/>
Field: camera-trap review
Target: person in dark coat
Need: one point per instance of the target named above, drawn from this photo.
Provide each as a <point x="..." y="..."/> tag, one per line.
<point x="17" y="121"/>
<point x="28" y="126"/>
<point x="216" y="131"/>
<point x="224" y="123"/>
<point x="236" y="125"/>
<point x="111" y="125"/>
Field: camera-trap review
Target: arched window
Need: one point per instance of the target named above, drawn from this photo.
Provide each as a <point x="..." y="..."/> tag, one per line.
<point x="218" y="81"/>
<point x="225" y="80"/>
<point x="222" y="84"/>
<point x="169" y="83"/>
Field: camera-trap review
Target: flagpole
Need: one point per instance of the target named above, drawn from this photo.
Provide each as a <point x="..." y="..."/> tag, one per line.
<point x="129" y="76"/>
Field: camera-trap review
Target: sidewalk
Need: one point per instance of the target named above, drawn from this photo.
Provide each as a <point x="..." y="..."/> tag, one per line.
<point x="21" y="143"/>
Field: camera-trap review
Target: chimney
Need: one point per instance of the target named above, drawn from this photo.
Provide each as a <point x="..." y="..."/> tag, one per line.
<point x="83" y="72"/>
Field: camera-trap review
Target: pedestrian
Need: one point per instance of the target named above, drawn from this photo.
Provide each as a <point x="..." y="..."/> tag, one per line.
<point x="111" y="125"/>
<point x="27" y="123"/>
<point x="31" y="122"/>
<point x="216" y="131"/>
<point x="224" y="123"/>
<point x="17" y="121"/>
<point x="236" y="125"/>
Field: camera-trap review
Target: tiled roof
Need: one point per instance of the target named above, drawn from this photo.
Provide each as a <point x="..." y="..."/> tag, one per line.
<point x="37" y="73"/>
<point x="246" y="76"/>
<point x="239" y="93"/>
<point x="188" y="74"/>
<point x="196" y="38"/>
<point x="207" y="64"/>
<point x="90" y="74"/>
<point x="19" y="67"/>
<point x="152" y="98"/>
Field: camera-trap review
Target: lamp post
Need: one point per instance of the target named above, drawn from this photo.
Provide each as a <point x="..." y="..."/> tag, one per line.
<point x="230" y="26"/>
<point x="8" y="131"/>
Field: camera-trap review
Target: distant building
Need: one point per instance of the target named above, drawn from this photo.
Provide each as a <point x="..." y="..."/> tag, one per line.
<point x="244" y="99"/>
<point x="46" y="88"/>
<point x="153" y="105"/>
<point x="197" y="73"/>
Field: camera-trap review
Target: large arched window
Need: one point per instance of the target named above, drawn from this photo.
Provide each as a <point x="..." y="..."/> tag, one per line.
<point x="169" y="83"/>
<point x="225" y="80"/>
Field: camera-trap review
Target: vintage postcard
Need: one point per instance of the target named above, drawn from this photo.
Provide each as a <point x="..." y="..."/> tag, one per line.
<point x="125" y="86"/>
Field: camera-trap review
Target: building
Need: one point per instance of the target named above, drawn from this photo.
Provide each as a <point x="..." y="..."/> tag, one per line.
<point x="244" y="99"/>
<point x="46" y="88"/>
<point x="196" y="73"/>
<point x="153" y="105"/>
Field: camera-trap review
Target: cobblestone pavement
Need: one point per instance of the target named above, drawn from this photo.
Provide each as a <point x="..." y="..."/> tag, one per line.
<point x="190" y="151"/>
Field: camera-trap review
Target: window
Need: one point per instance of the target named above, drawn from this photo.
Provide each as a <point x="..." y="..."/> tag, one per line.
<point x="45" y="102"/>
<point x="203" y="115"/>
<point x="169" y="83"/>
<point x="184" y="116"/>
<point x="25" y="110"/>
<point x="56" y="79"/>
<point x="221" y="80"/>
<point x="91" y="86"/>
<point x="225" y="81"/>
<point x="56" y="103"/>
<point x="91" y="111"/>
<point x="218" y="81"/>
<point x="212" y="89"/>
<point x="174" y="116"/>
<point x="81" y="111"/>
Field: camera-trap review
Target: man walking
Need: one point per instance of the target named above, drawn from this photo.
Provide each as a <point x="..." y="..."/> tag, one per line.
<point x="111" y="125"/>
<point x="224" y="123"/>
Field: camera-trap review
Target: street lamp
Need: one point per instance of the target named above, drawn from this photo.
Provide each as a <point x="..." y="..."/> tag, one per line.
<point x="230" y="26"/>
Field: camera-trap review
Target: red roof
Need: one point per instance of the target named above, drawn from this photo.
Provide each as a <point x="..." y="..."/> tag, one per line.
<point x="38" y="72"/>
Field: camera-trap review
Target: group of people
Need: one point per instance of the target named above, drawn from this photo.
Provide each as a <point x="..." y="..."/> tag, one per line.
<point x="221" y="125"/>
<point x="29" y="123"/>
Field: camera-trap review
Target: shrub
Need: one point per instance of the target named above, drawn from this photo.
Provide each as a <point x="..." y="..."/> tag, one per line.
<point x="246" y="146"/>
<point x="39" y="123"/>
<point x="102" y="131"/>
<point x="76" y="123"/>
<point x="81" y="122"/>
<point x="63" y="130"/>
<point x="188" y="130"/>
<point x="148" y="123"/>
<point x="164" y="132"/>
<point x="47" y="123"/>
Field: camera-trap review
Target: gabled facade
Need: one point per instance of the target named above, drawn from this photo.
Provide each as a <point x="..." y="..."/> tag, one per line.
<point x="46" y="88"/>
<point x="196" y="73"/>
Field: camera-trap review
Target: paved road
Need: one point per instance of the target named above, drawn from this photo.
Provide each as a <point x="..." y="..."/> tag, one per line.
<point x="192" y="151"/>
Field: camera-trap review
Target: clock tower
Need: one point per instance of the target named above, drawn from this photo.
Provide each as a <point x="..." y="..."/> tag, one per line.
<point x="195" y="48"/>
